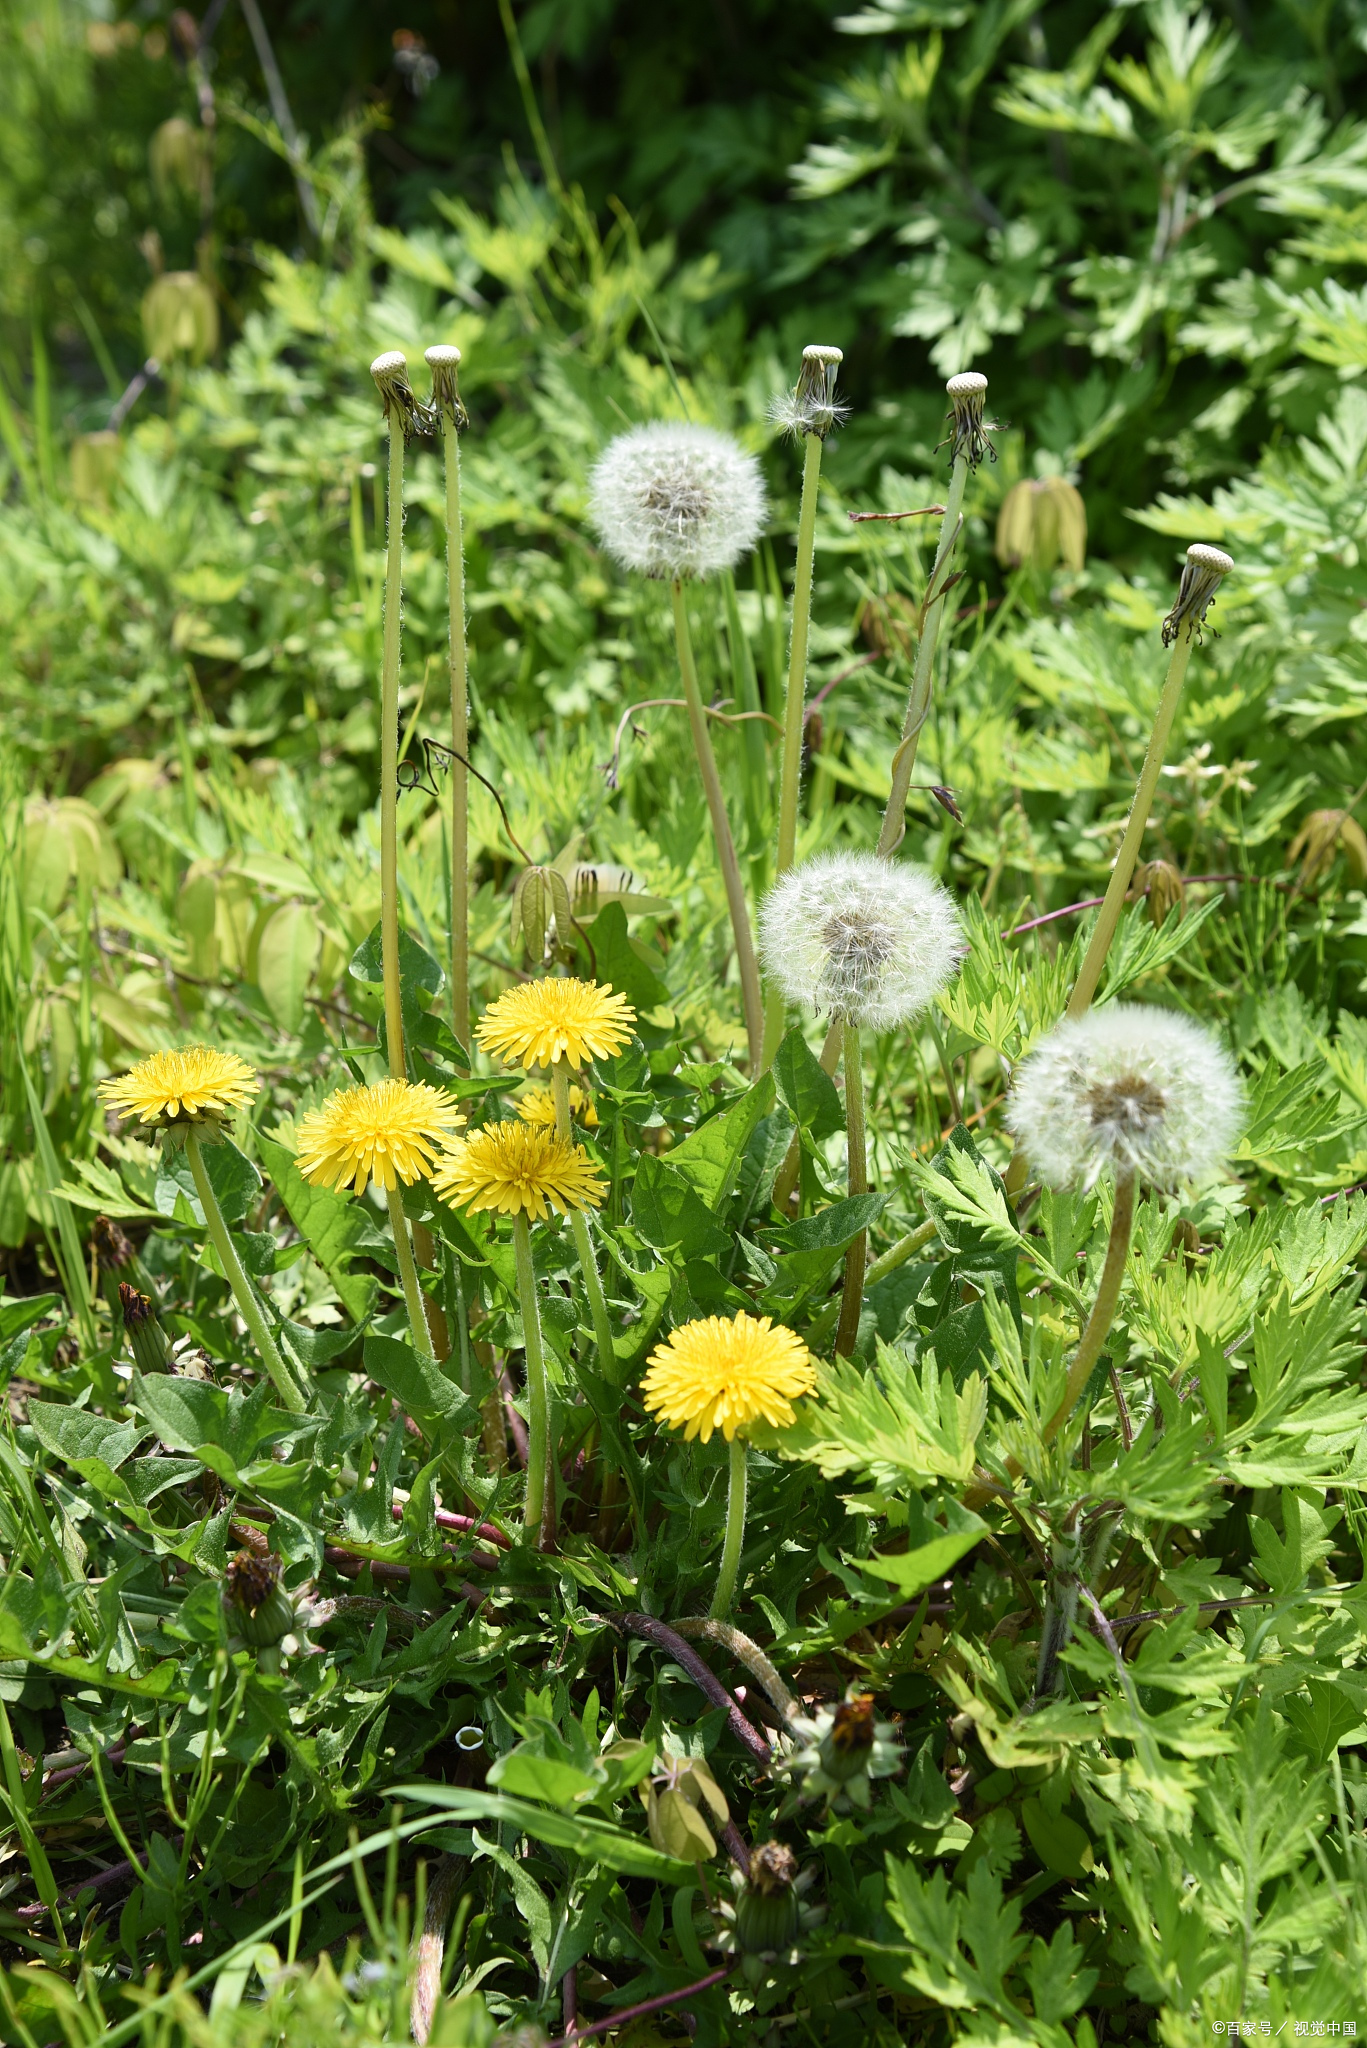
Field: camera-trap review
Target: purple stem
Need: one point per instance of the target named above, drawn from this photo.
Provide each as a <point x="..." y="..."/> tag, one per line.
<point x="636" y="2012"/>
<point x="657" y="1632"/>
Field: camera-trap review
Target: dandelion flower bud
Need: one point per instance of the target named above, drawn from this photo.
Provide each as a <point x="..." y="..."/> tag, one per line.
<point x="1131" y="1089"/>
<point x="672" y="500"/>
<point x="1205" y="570"/>
<point x="840" y="1749"/>
<point x="444" y="361"/>
<point x="811" y="408"/>
<point x="971" y="432"/>
<point x="868" y="939"/>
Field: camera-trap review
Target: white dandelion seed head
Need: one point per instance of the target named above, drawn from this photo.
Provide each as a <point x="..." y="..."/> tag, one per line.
<point x="677" y="500"/>
<point x="870" y="940"/>
<point x="1129" y="1088"/>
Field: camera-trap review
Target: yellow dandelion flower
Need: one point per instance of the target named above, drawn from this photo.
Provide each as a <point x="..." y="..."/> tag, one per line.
<point x="518" y="1169"/>
<point x="387" y="1133"/>
<point x="541" y="1021"/>
<point x="725" y="1373"/>
<point x="537" y="1106"/>
<point x="193" y="1084"/>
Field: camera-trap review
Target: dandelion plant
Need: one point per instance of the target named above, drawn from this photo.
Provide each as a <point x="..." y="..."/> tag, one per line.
<point x="679" y="503"/>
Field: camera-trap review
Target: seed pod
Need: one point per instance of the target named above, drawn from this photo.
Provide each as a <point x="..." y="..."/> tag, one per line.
<point x="1322" y="835"/>
<point x="258" y="1608"/>
<point x="178" y="156"/>
<point x="390" y="372"/>
<point x="1042" y="521"/>
<point x="180" y="317"/>
<point x="768" y="1914"/>
<point x="1164" y="887"/>
<point x="811" y="408"/>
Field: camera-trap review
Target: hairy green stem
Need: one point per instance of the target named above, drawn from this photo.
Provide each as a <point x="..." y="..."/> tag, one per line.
<point x="795" y="708"/>
<point x="248" y="1306"/>
<point x="408" y="1273"/>
<point x="737" y="1488"/>
<point x="923" y="674"/>
<point x="1103" y="1308"/>
<point x="460" y="740"/>
<point x="751" y="998"/>
<point x="583" y="1241"/>
<point x="856" y="1256"/>
<point x="1122" y="874"/>
<point x="539" y="1509"/>
<point x="389" y="757"/>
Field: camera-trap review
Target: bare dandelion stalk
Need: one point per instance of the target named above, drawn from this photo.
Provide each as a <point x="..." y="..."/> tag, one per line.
<point x="444" y="363"/>
<point x="737" y="1492"/>
<point x="809" y="414"/>
<point x="414" y="1299"/>
<point x="1099" y="1322"/>
<point x="391" y="376"/>
<point x="539" y="1511"/>
<point x="969" y="441"/>
<point x="1205" y="569"/>
<point x="752" y="1000"/>
<point x="583" y="1241"/>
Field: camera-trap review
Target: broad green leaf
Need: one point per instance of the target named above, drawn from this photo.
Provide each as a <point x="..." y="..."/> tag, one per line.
<point x="418" y="1384"/>
<point x="670" y="1215"/>
<point x="597" y="1841"/>
<point x="805" y="1089"/>
<point x="929" y="1556"/>
<point x="286" y="958"/>
<point x="74" y="1434"/>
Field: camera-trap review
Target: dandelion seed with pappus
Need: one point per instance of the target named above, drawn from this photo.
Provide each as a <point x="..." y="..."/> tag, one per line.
<point x="873" y="943"/>
<point x="673" y="500"/>
<point x="1140" y="1093"/>
<point x="812" y="408"/>
<point x="681" y="502"/>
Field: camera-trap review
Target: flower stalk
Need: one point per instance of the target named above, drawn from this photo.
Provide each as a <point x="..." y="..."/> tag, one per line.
<point x="583" y="1242"/>
<point x="248" y="1306"/>
<point x="737" y="1492"/>
<point x="414" y="1299"/>
<point x="443" y="363"/>
<point x="856" y="1255"/>
<point x="752" y="1000"/>
<point x="391" y="376"/>
<point x="539" y="1508"/>
<point x="1200" y="580"/>
<point x="1103" y="1308"/>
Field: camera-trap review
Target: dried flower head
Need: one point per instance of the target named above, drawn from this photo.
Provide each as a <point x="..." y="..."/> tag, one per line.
<point x="1126" y="1089"/>
<point x="765" y="1925"/>
<point x="518" y="1169"/>
<point x="811" y="408"/>
<point x="539" y="1022"/>
<point x="444" y="361"/>
<point x="146" y="1338"/>
<point x="263" y="1615"/>
<point x="110" y="1245"/>
<point x="726" y="1373"/>
<point x="390" y="372"/>
<point x="672" y="500"/>
<point x="387" y="1133"/>
<point x="192" y="1084"/>
<point x="1202" y="574"/>
<point x="537" y="1106"/>
<point x="1162" y="884"/>
<point x="1322" y="836"/>
<point x="840" y="1750"/>
<point x="868" y="939"/>
<point x="970" y="435"/>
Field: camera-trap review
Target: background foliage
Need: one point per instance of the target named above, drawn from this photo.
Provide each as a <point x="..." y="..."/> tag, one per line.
<point x="1149" y="225"/>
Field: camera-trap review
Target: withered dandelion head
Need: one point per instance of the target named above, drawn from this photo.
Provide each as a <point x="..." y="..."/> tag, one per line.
<point x="192" y="1084"/>
<point x="539" y="1022"/>
<point x="389" y="1132"/>
<point x="726" y="1373"/>
<point x="518" y="1169"/>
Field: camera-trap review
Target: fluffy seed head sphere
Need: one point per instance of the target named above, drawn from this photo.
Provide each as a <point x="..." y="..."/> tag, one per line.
<point x="677" y="500"/>
<point x="1129" y="1089"/>
<point x="865" y="938"/>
